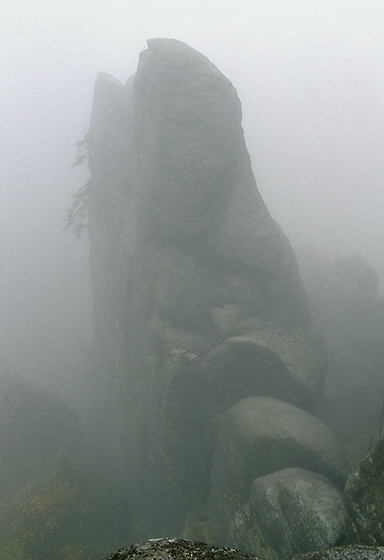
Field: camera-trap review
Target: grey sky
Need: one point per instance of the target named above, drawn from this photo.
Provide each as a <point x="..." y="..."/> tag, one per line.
<point x="310" y="76"/>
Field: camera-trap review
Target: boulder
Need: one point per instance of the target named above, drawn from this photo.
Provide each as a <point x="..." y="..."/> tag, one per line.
<point x="364" y="497"/>
<point x="298" y="511"/>
<point x="262" y="362"/>
<point x="262" y="435"/>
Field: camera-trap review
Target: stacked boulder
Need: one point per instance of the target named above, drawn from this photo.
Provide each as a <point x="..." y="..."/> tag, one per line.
<point x="177" y="549"/>
<point x="277" y="478"/>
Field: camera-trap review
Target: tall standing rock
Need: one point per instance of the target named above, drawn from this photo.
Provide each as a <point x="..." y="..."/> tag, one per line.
<point x="261" y="437"/>
<point x="189" y="273"/>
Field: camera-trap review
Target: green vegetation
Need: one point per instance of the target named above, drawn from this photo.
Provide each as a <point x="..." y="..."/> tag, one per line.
<point x="77" y="212"/>
<point x="53" y="502"/>
<point x="73" y="514"/>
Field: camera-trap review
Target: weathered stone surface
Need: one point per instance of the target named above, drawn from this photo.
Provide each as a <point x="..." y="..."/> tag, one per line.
<point x="244" y="534"/>
<point x="111" y="162"/>
<point x="186" y="263"/>
<point x="263" y="362"/>
<point x="364" y="497"/>
<point x="259" y="436"/>
<point x="298" y="511"/>
<point x="177" y="549"/>
<point x="353" y="552"/>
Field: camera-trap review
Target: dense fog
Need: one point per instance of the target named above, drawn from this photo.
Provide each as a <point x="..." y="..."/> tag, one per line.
<point x="310" y="78"/>
<point x="311" y="83"/>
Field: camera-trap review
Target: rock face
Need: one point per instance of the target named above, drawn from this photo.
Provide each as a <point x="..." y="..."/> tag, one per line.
<point x="198" y="300"/>
<point x="364" y="497"/>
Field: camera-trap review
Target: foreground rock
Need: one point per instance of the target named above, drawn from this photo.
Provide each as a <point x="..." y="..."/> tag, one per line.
<point x="298" y="511"/>
<point x="353" y="552"/>
<point x="180" y="549"/>
<point x="177" y="549"/>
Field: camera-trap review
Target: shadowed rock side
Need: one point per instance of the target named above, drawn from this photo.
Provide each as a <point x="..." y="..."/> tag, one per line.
<point x="364" y="497"/>
<point x="198" y="300"/>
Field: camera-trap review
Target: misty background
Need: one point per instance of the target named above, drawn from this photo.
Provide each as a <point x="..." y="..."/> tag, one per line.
<point x="311" y="81"/>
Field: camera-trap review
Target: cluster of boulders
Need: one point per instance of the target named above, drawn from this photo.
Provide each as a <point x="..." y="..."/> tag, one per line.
<point x="278" y="472"/>
<point x="204" y="345"/>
